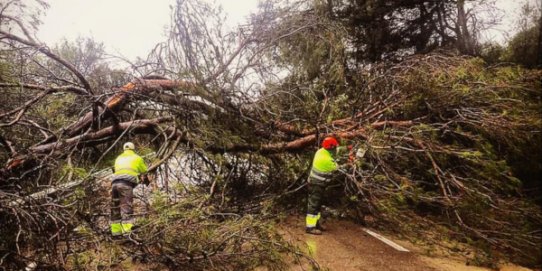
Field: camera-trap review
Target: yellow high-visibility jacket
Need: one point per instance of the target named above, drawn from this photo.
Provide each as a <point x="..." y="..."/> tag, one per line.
<point x="323" y="161"/>
<point x="129" y="163"/>
<point x="323" y="165"/>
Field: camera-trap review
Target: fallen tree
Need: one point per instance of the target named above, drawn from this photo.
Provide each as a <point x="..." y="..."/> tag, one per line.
<point x="453" y="145"/>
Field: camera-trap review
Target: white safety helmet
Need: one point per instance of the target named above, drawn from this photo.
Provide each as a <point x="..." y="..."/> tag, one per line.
<point x="128" y="146"/>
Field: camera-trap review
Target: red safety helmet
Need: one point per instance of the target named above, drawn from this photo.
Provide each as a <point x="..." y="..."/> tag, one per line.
<point x="330" y="143"/>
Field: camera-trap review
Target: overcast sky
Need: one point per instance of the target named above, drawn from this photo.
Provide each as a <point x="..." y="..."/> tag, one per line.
<point x="132" y="27"/>
<point x="127" y="27"/>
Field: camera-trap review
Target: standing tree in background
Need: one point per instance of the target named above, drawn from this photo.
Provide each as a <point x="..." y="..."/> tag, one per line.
<point x="525" y="46"/>
<point x="390" y="29"/>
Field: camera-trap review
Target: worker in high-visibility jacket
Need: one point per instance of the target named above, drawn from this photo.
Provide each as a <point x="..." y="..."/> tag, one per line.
<point x="129" y="168"/>
<point x="324" y="166"/>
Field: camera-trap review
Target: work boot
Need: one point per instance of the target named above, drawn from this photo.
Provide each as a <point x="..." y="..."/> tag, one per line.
<point x="319" y="226"/>
<point x="313" y="230"/>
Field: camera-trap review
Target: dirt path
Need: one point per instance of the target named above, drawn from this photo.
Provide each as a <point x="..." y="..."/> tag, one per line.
<point x="345" y="246"/>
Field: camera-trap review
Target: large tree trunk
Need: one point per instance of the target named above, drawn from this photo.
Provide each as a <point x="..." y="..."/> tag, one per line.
<point x="540" y="42"/>
<point x="465" y="41"/>
<point x="139" y="87"/>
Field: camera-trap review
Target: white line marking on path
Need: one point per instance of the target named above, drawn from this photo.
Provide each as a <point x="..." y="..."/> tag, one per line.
<point x="386" y="241"/>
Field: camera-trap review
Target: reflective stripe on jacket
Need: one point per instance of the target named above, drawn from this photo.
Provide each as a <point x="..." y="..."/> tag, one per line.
<point x="320" y="176"/>
<point x="323" y="165"/>
<point x="129" y="163"/>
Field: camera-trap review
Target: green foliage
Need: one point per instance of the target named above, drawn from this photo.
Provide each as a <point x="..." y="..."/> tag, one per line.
<point x="492" y="53"/>
<point x="6" y="74"/>
<point x="524" y="46"/>
<point x="466" y="152"/>
<point x="78" y="172"/>
<point x="188" y="236"/>
<point x="317" y="56"/>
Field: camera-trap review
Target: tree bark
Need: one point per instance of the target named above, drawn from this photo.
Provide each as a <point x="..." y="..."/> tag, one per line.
<point x="116" y="102"/>
<point x="540" y="42"/>
<point x="464" y="37"/>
